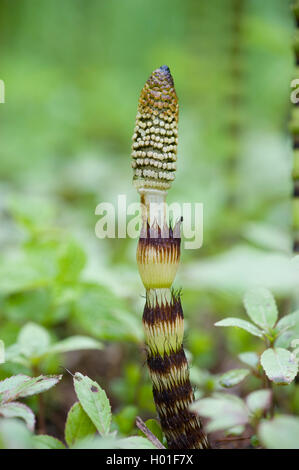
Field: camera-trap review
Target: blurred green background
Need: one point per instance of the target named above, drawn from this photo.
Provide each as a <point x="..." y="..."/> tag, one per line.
<point x="73" y="71"/>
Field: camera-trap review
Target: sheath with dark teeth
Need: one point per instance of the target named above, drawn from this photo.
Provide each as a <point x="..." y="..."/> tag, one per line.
<point x="154" y="153"/>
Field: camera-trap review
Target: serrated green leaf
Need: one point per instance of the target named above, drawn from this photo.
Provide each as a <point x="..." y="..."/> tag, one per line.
<point x="261" y="307"/>
<point x="13" y="382"/>
<point x="39" y="384"/>
<point x="280" y="433"/>
<point x="224" y="411"/>
<point x="233" y="377"/>
<point x="19" y="386"/>
<point x="239" y="323"/>
<point x="279" y="365"/>
<point x="249" y="358"/>
<point x="18" y="410"/>
<point x="78" y="425"/>
<point x="44" y="441"/>
<point x="74" y="343"/>
<point x="259" y="401"/>
<point x="94" y="401"/>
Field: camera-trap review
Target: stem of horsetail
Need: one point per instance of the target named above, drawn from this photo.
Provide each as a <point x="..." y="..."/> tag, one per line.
<point x="295" y="135"/>
<point x="154" y="152"/>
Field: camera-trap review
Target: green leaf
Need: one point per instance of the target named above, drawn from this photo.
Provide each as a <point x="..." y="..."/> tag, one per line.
<point x="288" y="330"/>
<point x="204" y="380"/>
<point x="279" y="365"/>
<point x="110" y="442"/>
<point x="266" y="236"/>
<point x="224" y="411"/>
<point x="155" y="428"/>
<point x="35" y="267"/>
<point x="11" y="384"/>
<point x="18" y="410"/>
<point x="14" y="354"/>
<point x="280" y="433"/>
<point x="235" y="431"/>
<point x="78" y="425"/>
<point x="33" y="340"/>
<point x="233" y="377"/>
<point x="44" y="441"/>
<point x="254" y="441"/>
<point x="125" y="419"/>
<point x="259" y="401"/>
<point x="74" y="343"/>
<point x="286" y="338"/>
<point x="33" y="305"/>
<point x="242" y="266"/>
<point x="71" y="261"/>
<point x="135" y="442"/>
<point x="103" y="315"/>
<point x="239" y="323"/>
<point x="97" y="442"/>
<point x="249" y="358"/>
<point x="288" y="321"/>
<point x="19" y="386"/>
<point x="34" y="343"/>
<point x="94" y="401"/>
<point x="16" y="276"/>
<point x="261" y="307"/>
<point x="14" y="435"/>
<point x="32" y="211"/>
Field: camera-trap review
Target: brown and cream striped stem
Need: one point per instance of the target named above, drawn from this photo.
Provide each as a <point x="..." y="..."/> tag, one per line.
<point x="295" y="135"/>
<point x="154" y="153"/>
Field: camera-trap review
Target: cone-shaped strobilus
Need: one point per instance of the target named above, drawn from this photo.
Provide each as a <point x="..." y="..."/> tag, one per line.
<point x="154" y="162"/>
<point x="295" y="134"/>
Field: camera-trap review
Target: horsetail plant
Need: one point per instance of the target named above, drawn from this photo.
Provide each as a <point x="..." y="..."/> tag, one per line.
<point x="154" y="163"/>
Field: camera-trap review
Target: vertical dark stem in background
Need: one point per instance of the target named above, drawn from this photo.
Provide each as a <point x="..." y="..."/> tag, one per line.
<point x="217" y="30"/>
<point x="235" y="95"/>
<point x="41" y="422"/>
<point x="295" y="134"/>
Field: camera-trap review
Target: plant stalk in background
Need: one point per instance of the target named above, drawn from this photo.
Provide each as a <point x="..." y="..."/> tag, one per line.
<point x="154" y="163"/>
<point x="295" y="134"/>
<point x="235" y="98"/>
